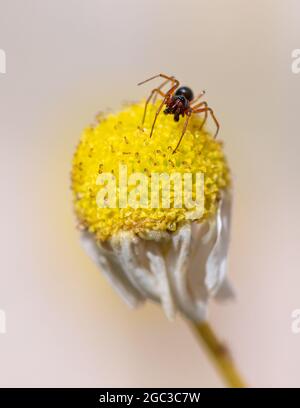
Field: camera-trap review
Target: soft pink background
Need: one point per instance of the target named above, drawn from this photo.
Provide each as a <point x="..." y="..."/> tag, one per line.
<point x="65" y="61"/>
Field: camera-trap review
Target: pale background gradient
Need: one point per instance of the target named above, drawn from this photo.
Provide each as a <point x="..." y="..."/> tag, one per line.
<point x="67" y="59"/>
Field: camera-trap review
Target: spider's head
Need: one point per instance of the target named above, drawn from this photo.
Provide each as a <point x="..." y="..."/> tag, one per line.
<point x="179" y="103"/>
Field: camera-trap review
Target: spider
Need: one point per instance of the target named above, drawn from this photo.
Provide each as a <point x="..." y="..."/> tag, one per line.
<point x="178" y="101"/>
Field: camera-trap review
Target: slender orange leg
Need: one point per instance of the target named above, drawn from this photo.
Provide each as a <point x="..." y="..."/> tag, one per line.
<point x="205" y="113"/>
<point x="170" y="78"/>
<point x="156" y="114"/>
<point x="153" y="92"/>
<point x="197" y="97"/>
<point x="204" y="121"/>
<point x="183" y="131"/>
<point x="206" y="109"/>
<point x="160" y="87"/>
<point x="168" y="94"/>
<point x="175" y="84"/>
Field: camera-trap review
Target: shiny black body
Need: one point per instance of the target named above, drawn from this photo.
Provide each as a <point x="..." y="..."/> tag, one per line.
<point x="186" y="92"/>
<point x="179" y="103"/>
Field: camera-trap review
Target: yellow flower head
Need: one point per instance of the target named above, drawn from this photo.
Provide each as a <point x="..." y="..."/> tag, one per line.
<point x="118" y="140"/>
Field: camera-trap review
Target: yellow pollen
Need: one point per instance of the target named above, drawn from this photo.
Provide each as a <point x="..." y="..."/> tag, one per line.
<point x="118" y="139"/>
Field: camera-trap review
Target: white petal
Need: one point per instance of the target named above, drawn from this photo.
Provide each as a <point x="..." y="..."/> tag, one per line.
<point x="217" y="260"/>
<point x="181" y="270"/>
<point x="135" y="267"/>
<point x="110" y="267"/>
<point x="179" y="264"/>
<point x="226" y="291"/>
<point x="158" y="268"/>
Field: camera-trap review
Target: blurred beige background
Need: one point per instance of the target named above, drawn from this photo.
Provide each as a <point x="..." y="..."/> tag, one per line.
<point x="67" y="59"/>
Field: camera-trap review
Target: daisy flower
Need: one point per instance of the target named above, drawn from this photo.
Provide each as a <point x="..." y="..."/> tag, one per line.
<point x="157" y="223"/>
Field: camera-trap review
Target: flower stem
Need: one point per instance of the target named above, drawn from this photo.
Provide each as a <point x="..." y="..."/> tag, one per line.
<point x="220" y="354"/>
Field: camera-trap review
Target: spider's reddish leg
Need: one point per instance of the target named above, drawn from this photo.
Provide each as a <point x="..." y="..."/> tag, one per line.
<point x="154" y="91"/>
<point x="206" y="109"/>
<point x="183" y="130"/>
<point x="205" y="113"/>
<point x="198" y="97"/>
<point x="168" y="95"/>
<point x="160" y="87"/>
<point x="175" y="84"/>
<point x="170" y="78"/>
<point x="156" y="114"/>
<point x="204" y="120"/>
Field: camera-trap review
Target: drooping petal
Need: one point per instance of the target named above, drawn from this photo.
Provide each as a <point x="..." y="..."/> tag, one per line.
<point x="109" y="265"/>
<point x="180" y="270"/>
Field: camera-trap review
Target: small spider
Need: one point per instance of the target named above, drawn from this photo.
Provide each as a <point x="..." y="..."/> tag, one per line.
<point x="178" y="101"/>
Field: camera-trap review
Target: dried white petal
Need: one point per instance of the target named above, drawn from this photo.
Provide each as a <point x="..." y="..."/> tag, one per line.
<point x="180" y="270"/>
<point x="110" y="266"/>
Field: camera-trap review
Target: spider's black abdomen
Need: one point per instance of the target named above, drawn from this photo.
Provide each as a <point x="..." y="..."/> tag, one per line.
<point x="186" y="92"/>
